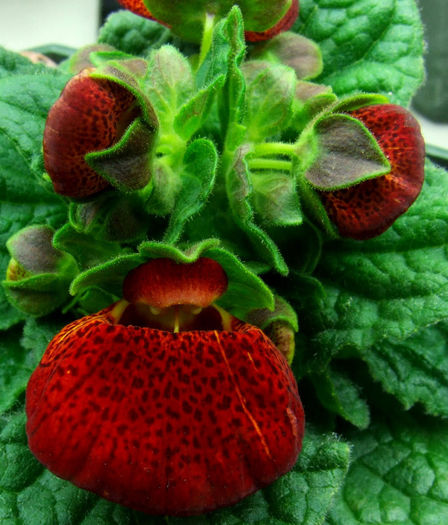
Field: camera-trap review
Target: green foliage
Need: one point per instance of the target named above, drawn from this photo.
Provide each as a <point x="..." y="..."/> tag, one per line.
<point x="398" y="474"/>
<point x="367" y="45"/>
<point x="226" y="167"/>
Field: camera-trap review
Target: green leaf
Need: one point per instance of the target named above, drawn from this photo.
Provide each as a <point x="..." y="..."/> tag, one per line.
<point x="132" y="34"/>
<point x="414" y="370"/>
<point x="346" y="153"/>
<point x="198" y="177"/>
<point x="385" y="288"/>
<point x="219" y="67"/>
<point x="169" y="82"/>
<point x="27" y="91"/>
<point x="398" y="475"/>
<point x="367" y="45"/>
<point x="338" y="393"/>
<point x="269" y="100"/>
<point x="19" y="357"/>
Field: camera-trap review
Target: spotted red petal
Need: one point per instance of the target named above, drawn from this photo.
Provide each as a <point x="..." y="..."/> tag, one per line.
<point x="165" y="423"/>
<point x="90" y="115"/>
<point x="368" y="209"/>
<point x="283" y="25"/>
<point x="163" y="283"/>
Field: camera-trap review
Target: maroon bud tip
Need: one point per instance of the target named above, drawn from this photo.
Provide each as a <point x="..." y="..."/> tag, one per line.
<point x="137" y="7"/>
<point x="282" y="25"/>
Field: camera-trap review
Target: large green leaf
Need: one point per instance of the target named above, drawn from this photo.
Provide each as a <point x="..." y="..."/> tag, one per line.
<point x="27" y="91"/>
<point x="387" y="288"/>
<point x="398" y="475"/>
<point x="367" y="45"/>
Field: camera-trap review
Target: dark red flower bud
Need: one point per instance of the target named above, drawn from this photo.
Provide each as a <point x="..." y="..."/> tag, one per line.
<point x="369" y="208"/>
<point x="166" y="422"/>
<point x="282" y="25"/>
<point x="137" y="7"/>
<point x="90" y="115"/>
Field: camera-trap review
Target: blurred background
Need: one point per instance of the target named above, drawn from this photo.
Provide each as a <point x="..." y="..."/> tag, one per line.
<point x="25" y="24"/>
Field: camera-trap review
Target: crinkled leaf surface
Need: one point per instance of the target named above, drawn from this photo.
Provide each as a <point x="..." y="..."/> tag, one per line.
<point x="29" y="494"/>
<point x="398" y="475"/>
<point x="367" y="45"/>
<point x="132" y="34"/>
<point x="415" y="370"/>
<point x="385" y="288"/>
<point x="27" y="92"/>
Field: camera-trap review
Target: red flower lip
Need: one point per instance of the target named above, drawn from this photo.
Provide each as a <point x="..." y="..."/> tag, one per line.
<point x="369" y="208"/>
<point x="162" y="283"/>
<point x="90" y="115"/>
<point x="164" y="422"/>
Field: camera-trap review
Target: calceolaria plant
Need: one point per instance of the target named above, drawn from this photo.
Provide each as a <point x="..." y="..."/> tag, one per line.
<point x="217" y="206"/>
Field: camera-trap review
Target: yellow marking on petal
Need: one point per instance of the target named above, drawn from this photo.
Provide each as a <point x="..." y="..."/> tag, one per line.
<point x="243" y="402"/>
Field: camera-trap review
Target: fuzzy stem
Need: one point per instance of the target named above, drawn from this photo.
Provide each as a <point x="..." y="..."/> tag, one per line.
<point x="269" y="164"/>
<point x="274" y="148"/>
<point x="207" y="36"/>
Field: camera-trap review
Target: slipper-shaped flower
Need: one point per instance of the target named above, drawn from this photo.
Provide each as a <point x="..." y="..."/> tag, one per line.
<point x="367" y="209"/>
<point x="166" y="404"/>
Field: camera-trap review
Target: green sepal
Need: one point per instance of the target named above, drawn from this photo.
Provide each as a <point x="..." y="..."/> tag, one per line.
<point x="198" y="176"/>
<point x="127" y="165"/>
<point x="85" y="248"/>
<point x="38" y="276"/>
<point x="279" y="324"/>
<point x="283" y="311"/>
<point x="132" y="34"/>
<point x="357" y="101"/>
<point x="269" y="99"/>
<point x="339" y="394"/>
<point x="275" y="199"/>
<point x="130" y="75"/>
<point x="186" y="19"/>
<point x="169" y="83"/>
<point x="310" y="99"/>
<point x="311" y="203"/>
<point x="344" y="153"/>
<point x="91" y="300"/>
<point x="239" y="192"/>
<point x="108" y="276"/>
<point x="110" y="217"/>
<point x="33" y="250"/>
<point x="37" y="295"/>
<point x="293" y="50"/>
<point x="81" y="59"/>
